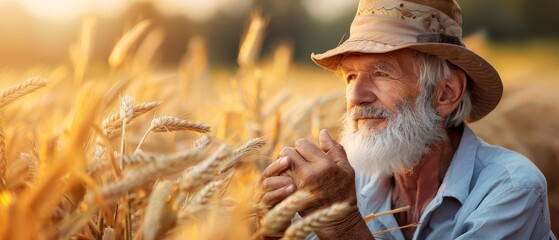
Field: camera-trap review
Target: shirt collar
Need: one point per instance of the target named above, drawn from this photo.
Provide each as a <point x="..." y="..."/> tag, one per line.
<point x="456" y="182"/>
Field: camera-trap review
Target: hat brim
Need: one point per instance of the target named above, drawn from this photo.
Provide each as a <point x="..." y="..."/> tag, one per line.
<point x="486" y="88"/>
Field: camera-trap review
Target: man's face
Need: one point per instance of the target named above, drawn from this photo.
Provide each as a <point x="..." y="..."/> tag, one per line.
<point x="390" y="121"/>
<point x="382" y="80"/>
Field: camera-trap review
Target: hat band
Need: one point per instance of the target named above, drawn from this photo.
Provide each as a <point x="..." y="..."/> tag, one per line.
<point x="439" y="38"/>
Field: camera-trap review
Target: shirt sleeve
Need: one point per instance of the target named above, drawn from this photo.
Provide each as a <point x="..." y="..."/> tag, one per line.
<point x="518" y="213"/>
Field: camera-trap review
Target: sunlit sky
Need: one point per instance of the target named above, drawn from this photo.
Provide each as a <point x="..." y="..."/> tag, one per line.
<point x="197" y="10"/>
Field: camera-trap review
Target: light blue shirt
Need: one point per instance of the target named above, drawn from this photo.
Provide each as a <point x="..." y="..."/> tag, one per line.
<point x="488" y="192"/>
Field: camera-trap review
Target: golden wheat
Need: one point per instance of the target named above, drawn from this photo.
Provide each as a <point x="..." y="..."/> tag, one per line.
<point x="252" y="41"/>
<point x="280" y="216"/>
<point x="156" y="204"/>
<point x="28" y="86"/>
<point x="135" y="177"/>
<point x="315" y="221"/>
<point x="113" y="123"/>
<point x="238" y="154"/>
<point x="205" y="171"/>
<point x="125" y="43"/>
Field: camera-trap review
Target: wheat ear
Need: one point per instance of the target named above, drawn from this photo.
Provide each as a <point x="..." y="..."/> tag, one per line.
<point x="28" y="86"/>
<point x="156" y="206"/>
<point x="315" y="221"/>
<point x="136" y="177"/>
<point x="140" y="157"/>
<point x="241" y="152"/>
<point x="172" y="124"/>
<point x="126" y="113"/>
<point x="202" y="142"/>
<point x="205" y="194"/>
<point x="205" y="171"/>
<point x="278" y="217"/>
<point x="98" y="161"/>
<point x="113" y="123"/>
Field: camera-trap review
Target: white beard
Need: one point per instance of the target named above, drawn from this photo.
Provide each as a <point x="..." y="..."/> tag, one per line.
<point x="408" y="136"/>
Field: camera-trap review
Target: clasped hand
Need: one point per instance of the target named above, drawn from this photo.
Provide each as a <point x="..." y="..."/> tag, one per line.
<point x="322" y="170"/>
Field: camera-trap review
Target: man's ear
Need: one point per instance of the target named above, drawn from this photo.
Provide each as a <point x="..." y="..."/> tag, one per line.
<point x="449" y="92"/>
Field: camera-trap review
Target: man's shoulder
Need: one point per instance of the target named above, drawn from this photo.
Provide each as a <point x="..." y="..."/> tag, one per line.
<point x="508" y="167"/>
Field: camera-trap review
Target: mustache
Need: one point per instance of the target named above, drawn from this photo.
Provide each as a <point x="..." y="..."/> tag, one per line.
<point x="369" y="111"/>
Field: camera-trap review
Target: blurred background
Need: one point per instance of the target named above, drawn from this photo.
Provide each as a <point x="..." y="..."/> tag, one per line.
<point x="72" y="39"/>
<point x="40" y="31"/>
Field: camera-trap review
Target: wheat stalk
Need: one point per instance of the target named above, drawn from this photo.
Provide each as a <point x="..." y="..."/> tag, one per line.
<point x="394" y="229"/>
<point x="14" y="92"/>
<point x="156" y="205"/>
<point x="278" y="217"/>
<point x="315" y="221"/>
<point x="241" y="152"/>
<point x="370" y="217"/>
<point x="113" y="123"/>
<point x="125" y="43"/>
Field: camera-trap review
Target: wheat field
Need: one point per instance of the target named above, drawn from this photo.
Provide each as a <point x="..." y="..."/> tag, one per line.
<point x="141" y="151"/>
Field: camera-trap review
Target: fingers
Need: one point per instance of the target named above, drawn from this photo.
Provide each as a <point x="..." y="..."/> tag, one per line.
<point x="276" y="182"/>
<point x="276" y="167"/>
<point x="293" y="155"/>
<point x="331" y="147"/>
<point x="309" y="151"/>
<point x="325" y="140"/>
<point x="276" y="196"/>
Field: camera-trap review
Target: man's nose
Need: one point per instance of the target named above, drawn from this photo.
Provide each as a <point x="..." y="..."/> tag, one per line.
<point x="360" y="92"/>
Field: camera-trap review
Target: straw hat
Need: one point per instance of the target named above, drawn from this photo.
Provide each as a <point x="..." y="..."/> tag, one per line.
<point x="429" y="26"/>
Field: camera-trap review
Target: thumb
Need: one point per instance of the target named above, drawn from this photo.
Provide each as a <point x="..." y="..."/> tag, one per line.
<point x="330" y="146"/>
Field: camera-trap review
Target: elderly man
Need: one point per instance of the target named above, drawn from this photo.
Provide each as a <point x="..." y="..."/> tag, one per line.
<point x="410" y="86"/>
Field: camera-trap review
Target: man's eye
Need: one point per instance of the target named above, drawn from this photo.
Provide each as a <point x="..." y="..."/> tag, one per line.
<point x="351" y="77"/>
<point x="380" y="74"/>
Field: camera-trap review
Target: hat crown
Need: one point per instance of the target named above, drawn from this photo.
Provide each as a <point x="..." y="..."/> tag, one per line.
<point x="448" y="7"/>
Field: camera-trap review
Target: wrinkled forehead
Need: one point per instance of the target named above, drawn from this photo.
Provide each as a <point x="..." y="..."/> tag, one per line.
<point x="403" y="58"/>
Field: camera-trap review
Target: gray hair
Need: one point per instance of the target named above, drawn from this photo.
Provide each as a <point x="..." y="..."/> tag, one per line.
<point x="431" y="69"/>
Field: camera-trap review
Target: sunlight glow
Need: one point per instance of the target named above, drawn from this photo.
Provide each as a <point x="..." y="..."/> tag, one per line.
<point x="56" y="9"/>
<point x="194" y="9"/>
<point x="62" y="10"/>
<point x="327" y="10"/>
